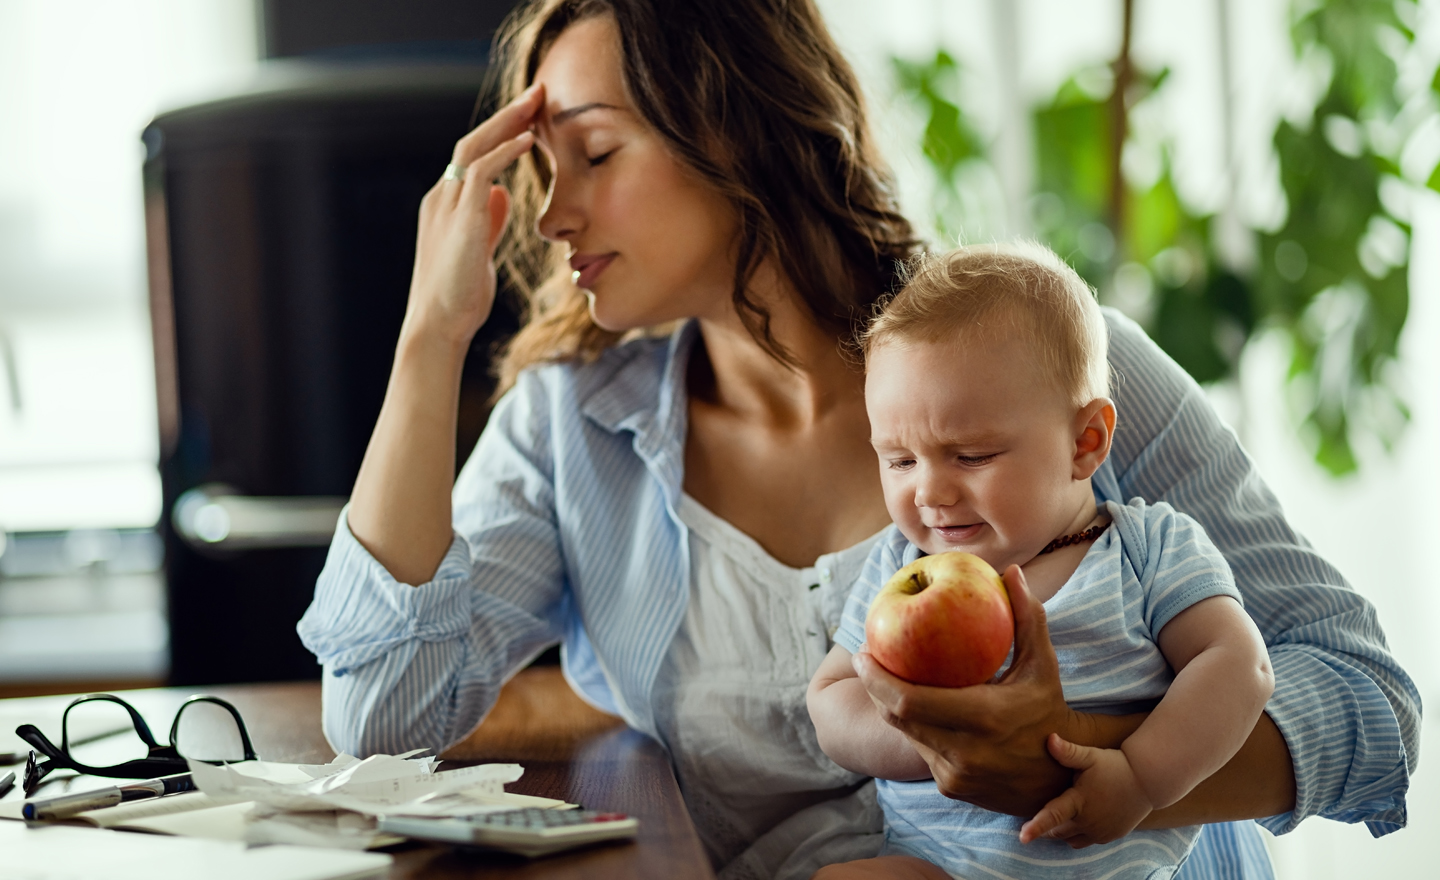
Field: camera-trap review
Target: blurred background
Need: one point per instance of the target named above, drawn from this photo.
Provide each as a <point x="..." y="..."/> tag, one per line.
<point x="207" y="216"/>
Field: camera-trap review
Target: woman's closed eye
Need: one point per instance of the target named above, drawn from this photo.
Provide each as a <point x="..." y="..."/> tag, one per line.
<point x="600" y="159"/>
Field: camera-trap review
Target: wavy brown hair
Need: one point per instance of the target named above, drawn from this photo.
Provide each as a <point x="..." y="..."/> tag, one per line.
<point x="753" y="96"/>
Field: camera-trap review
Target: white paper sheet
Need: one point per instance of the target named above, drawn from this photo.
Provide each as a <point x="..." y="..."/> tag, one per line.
<point x="339" y="829"/>
<point x="227" y="822"/>
<point x="61" y="852"/>
<point x="379" y="785"/>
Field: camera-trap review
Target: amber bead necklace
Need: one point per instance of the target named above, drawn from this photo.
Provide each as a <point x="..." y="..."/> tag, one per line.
<point x="1089" y="534"/>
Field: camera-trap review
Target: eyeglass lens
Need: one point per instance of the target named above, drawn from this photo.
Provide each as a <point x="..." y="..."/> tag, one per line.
<point x="207" y="732"/>
<point x="101" y="733"/>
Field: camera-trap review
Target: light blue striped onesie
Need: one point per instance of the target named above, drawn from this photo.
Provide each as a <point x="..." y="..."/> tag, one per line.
<point x="1148" y="566"/>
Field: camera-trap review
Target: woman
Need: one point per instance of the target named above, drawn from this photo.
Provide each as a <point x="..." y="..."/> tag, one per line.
<point x="686" y="511"/>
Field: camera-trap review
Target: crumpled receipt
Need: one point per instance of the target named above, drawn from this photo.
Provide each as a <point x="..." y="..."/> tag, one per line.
<point x="380" y="785"/>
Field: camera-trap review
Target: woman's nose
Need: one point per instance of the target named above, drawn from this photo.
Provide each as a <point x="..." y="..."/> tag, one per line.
<point x="560" y="217"/>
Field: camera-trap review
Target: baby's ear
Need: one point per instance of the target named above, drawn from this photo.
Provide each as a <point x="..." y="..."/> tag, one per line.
<point x="1094" y="430"/>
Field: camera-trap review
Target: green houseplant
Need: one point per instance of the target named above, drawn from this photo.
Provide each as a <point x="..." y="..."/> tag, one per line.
<point x="1331" y="278"/>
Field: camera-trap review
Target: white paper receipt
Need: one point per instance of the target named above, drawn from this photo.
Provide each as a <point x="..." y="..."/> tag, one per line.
<point x="381" y="785"/>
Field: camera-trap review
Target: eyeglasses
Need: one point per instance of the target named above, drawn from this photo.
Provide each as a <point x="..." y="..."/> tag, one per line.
<point x="200" y="732"/>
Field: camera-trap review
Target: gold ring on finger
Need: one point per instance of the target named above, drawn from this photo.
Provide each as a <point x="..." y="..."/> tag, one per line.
<point x="453" y="172"/>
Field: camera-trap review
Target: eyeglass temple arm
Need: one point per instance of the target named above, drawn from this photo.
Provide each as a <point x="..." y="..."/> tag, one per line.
<point x="32" y="735"/>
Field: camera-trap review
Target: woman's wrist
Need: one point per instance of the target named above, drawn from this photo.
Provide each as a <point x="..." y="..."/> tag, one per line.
<point x="400" y="506"/>
<point x="430" y="338"/>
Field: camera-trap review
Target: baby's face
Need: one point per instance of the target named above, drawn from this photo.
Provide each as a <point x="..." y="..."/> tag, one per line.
<point x="977" y="448"/>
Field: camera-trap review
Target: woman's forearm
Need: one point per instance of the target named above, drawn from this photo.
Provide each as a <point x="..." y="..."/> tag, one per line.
<point x="1259" y="781"/>
<point x="400" y="508"/>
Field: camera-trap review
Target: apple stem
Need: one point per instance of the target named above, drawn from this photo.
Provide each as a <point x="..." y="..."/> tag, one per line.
<point x="920" y="579"/>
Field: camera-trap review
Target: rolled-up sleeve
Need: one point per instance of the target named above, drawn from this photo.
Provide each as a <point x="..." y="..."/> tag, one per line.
<point x="1349" y="713"/>
<point x="1345" y="740"/>
<point x="419" y="666"/>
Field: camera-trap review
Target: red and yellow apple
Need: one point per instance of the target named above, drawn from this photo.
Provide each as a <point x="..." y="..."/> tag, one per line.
<point x="942" y="620"/>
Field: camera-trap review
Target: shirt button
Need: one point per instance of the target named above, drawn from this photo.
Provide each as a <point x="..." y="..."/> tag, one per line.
<point x="824" y="575"/>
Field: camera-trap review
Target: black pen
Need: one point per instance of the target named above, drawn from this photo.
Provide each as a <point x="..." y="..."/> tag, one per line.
<point x="7" y="782"/>
<point x="68" y="805"/>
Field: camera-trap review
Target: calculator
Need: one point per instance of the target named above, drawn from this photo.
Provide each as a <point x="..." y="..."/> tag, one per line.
<point x="529" y="832"/>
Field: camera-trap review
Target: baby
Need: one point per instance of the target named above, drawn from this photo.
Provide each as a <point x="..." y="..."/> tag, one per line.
<point x="987" y="387"/>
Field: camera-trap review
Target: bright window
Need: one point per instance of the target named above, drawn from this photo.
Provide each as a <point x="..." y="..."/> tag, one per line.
<point x="79" y="80"/>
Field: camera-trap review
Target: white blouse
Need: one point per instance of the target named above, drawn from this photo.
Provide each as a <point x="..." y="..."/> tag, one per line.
<point x="730" y="707"/>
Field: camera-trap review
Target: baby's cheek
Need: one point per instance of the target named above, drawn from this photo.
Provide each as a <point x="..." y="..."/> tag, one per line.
<point x="899" y="501"/>
<point x="914" y="530"/>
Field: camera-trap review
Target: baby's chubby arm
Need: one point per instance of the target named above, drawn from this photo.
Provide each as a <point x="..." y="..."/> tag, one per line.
<point x="850" y="728"/>
<point x="1222" y="682"/>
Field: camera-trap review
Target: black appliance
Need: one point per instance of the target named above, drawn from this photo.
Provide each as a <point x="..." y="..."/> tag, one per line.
<point x="281" y="230"/>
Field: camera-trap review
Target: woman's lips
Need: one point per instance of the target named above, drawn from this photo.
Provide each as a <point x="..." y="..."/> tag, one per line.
<point x="958" y="534"/>
<point x="587" y="268"/>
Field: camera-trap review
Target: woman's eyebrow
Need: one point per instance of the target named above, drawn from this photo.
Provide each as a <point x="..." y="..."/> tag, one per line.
<point x="570" y="113"/>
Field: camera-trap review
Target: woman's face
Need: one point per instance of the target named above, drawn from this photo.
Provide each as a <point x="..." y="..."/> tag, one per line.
<point x="650" y="241"/>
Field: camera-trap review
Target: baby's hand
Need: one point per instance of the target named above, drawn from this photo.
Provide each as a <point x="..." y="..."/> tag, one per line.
<point x="1104" y="803"/>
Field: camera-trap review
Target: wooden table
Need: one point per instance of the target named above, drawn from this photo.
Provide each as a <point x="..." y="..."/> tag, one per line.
<point x="600" y="766"/>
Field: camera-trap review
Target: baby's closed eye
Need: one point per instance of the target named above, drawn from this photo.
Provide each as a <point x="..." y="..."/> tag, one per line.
<point x="975" y="460"/>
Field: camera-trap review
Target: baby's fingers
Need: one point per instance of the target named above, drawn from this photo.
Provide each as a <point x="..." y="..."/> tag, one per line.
<point x="1076" y="757"/>
<point x="1055" y="819"/>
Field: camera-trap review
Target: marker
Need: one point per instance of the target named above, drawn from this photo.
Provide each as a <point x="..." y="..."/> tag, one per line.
<point x="7" y="782"/>
<point x="65" y="806"/>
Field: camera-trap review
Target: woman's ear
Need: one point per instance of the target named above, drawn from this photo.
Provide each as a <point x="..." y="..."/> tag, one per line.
<point x="1094" y="430"/>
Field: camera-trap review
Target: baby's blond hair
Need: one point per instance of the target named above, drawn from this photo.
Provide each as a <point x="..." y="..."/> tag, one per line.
<point x="1000" y="289"/>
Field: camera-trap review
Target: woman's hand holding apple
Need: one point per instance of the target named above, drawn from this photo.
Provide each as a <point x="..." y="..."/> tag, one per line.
<point x="986" y="744"/>
<point x="943" y="620"/>
<point x="453" y="285"/>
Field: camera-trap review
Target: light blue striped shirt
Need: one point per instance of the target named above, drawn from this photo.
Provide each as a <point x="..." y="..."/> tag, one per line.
<point x="566" y="530"/>
<point x="1148" y="566"/>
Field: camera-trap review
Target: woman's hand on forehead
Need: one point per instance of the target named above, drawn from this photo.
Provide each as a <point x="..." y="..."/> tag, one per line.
<point x="508" y="122"/>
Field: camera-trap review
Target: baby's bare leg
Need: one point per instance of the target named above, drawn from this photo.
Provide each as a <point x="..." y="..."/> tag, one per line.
<point x="892" y="867"/>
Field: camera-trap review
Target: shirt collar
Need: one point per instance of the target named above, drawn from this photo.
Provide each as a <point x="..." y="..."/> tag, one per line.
<point x="646" y="394"/>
